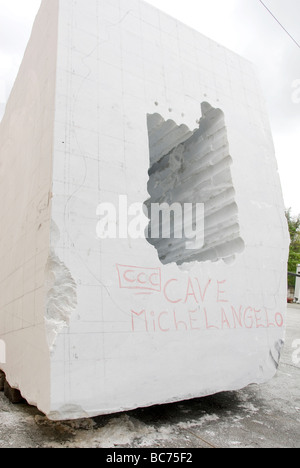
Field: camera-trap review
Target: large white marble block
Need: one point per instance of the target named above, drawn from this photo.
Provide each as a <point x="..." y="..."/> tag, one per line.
<point x="118" y="103"/>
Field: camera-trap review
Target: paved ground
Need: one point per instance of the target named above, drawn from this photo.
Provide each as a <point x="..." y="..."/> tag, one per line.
<point x="266" y="416"/>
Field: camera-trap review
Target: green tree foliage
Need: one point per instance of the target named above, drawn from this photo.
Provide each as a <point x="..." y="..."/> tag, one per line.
<point x="294" y="257"/>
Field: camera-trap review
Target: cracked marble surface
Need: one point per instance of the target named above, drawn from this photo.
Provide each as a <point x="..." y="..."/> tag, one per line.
<point x="266" y="416"/>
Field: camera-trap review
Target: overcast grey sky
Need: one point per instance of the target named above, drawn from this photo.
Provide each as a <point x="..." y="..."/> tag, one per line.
<point x="242" y="25"/>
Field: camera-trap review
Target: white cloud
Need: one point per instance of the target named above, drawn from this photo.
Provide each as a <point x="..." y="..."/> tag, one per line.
<point x="19" y="10"/>
<point x="212" y="18"/>
<point x="2" y="91"/>
<point x="6" y="62"/>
